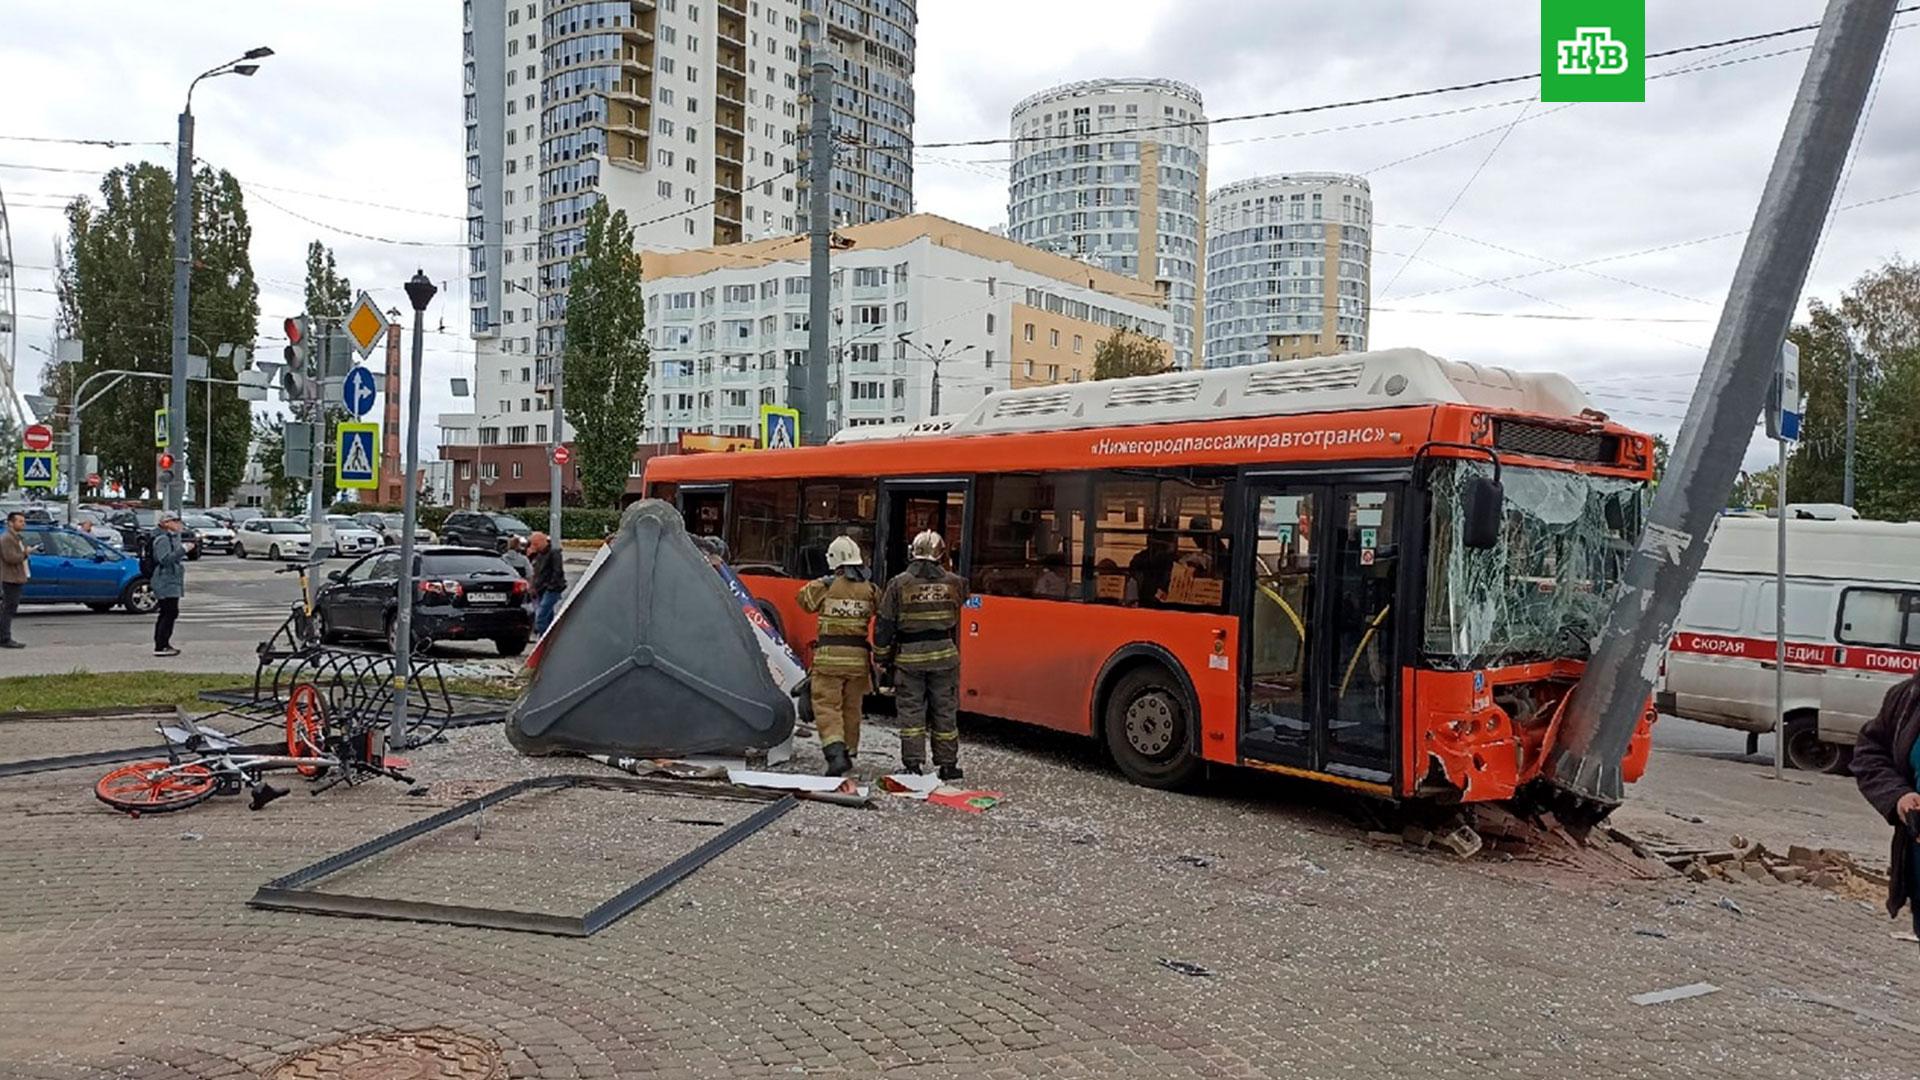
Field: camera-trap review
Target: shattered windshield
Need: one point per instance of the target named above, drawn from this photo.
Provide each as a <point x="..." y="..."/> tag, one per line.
<point x="1543" y="591"/>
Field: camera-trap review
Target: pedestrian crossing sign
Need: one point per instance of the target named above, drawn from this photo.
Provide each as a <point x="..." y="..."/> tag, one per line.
<point x="779" y="428"/>
<point x="356" y="461"/>
<point x="36" y="468"/>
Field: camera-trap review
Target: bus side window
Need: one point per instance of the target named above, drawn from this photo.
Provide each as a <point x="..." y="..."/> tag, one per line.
<point x="829" y="509"/>
<point x="1027" y="530"/>
<point x="766" y="521"/>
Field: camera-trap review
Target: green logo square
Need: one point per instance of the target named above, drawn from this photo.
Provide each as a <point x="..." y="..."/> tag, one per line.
<point x="1593" y="50"/>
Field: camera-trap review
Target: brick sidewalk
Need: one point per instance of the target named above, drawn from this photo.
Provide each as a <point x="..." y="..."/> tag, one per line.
<point x="920" y="942"/>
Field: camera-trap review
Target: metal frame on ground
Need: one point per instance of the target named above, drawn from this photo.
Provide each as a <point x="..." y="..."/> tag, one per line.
<point x="292" y="892"/>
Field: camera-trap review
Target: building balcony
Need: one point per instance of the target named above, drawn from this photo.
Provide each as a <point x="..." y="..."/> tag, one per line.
<point x="731" y="56"/>
<point x="864" y="406"/>
<point x="730" y="118"/>
<point x="727" y="208"/>
<point x="735" y="414"/>
<point x="677" y="382"/>
<point x="728" y="149"/>
<point x="726" y="176"/>
<point x="731" y="87"/>
<point x="870" y="292"/>
<point x="736" y="377"/>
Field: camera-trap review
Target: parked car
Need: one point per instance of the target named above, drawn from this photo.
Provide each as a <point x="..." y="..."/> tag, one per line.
<point x="237" y="516"/>
<point x="214" y="536"/>
<point x="137" y="527"/>
<point x="280" y="539"/>
<point x="388" y="526"/>
<point x="70" y="567"/>
<point x="94" y="524"/>
<point x="36" y="512"/>
<point x="1853" y="632"/>
<point x="482" y="529"/>
<point x="459" y="595"/>
<point x="350" y="537"/>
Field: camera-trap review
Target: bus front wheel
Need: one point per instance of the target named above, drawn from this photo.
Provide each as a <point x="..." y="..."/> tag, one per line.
<point x="1149" y="727"/>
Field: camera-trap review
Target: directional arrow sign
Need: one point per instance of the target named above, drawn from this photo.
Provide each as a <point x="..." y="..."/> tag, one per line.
<point x="365" y="324"/>
<point x="358" y="391"/>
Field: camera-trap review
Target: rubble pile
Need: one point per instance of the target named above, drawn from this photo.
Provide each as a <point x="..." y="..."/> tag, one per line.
<point x="1823" y="868"/>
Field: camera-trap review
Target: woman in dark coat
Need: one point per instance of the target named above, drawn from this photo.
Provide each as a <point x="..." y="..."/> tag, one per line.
<point x="1885" y="763"/>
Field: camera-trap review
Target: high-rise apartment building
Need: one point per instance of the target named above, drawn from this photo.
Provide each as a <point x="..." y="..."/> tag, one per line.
<point x="1113" y="172"/>
<point x="687" y="115"/>
<point x="1288" y="269"/>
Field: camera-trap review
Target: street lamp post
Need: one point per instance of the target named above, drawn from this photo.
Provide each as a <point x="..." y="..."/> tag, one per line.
<point x="420" y="292"/>
<point x="933" y="404"/>
<point x="183" y="262"/>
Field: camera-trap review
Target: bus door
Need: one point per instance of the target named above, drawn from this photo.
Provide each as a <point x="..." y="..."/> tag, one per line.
<point x="909" y="507"/>
<point x="1320" y="682"/>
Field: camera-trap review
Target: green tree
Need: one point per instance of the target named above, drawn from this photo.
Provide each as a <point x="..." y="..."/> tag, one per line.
<point x="329" y="293"/>
<point x="270" y="443"/>
<point x="114" y="289"/>
<point x="1125" y="353"/>
<point x="606" y="359"/>
<point x="1816" y="472"/>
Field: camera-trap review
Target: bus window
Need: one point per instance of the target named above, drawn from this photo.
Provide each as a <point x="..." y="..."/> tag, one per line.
<point x="1366" y="559"/>
<point x="1122" y="512"/>
<point x="1027" y="531"/>
<point x="766" y="520"/>
<point x="665" y="491"/>
<point x="1282" y="611"/>
<point x="832" y="508"/>
<point x="704" y="512"/>
<point x="1160" y="543"/>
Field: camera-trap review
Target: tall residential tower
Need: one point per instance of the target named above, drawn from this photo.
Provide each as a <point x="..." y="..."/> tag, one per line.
<point x="1113" y="172"/>
<point x="1289" y="263"/>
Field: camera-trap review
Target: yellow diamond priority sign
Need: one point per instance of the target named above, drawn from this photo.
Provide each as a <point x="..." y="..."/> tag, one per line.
<point x="365" y="325"/>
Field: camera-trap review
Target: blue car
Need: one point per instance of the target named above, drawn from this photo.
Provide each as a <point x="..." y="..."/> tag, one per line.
<point x="70" y="567"/>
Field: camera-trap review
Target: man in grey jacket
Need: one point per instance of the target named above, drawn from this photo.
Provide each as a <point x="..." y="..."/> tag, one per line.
<point x="169" y="581"/>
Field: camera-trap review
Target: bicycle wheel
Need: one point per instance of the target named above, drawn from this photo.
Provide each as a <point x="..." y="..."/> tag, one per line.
<point x="306" y="727"/>
<point x="154" y="787"/>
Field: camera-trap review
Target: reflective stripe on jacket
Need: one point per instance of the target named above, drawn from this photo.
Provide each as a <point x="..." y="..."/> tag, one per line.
<point x="919" y="617"/>
<point x="845" y="607"/>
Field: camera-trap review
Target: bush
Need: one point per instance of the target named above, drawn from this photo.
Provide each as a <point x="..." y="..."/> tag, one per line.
<point x="576" y="522"/>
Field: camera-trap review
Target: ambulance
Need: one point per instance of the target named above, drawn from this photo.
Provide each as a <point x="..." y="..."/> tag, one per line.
<point x="1853" y="632"/>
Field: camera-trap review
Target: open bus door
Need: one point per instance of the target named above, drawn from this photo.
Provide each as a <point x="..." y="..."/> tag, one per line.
<point x="1320" y="642"/>
<point x="908" y="507"/>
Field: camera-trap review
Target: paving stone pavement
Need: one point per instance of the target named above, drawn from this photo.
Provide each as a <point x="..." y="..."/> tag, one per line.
<point x="917" y="942"/>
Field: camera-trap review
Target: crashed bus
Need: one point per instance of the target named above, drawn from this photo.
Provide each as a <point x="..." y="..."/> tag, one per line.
<point x="1379" y="570"/>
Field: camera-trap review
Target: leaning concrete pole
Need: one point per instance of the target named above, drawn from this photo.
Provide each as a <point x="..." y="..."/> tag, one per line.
<point x="1607" y="704"/>
<point x="813" y="402"/>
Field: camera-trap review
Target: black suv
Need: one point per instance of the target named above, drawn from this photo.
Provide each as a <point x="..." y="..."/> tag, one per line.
<point x="458" y="595"/>
<point x="482" y="529"/>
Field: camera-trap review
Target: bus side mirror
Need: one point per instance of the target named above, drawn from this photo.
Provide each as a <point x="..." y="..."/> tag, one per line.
<point x="1483" y="511"/>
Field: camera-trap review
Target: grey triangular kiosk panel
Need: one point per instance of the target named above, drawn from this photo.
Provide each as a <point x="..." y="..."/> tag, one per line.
<point x="651" y="657"/>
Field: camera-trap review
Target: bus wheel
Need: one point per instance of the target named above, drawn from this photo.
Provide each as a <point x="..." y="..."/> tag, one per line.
<point x="1149" y="728"/>
<point x="1805" y="750"/>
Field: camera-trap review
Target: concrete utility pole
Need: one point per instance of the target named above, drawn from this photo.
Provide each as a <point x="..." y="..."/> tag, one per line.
<point x="1853" y="411"/>
<point x="420" y="292"/>
<point x="556" y="471"/>
<point x="1606" y="705"/>
<point x="815" y="428"/>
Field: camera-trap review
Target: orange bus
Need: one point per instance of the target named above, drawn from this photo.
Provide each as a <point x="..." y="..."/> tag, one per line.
<point x="1303" y="566"/>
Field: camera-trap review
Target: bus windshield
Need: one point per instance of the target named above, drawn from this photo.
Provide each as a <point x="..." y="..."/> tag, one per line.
<point x="1544" y="590"/>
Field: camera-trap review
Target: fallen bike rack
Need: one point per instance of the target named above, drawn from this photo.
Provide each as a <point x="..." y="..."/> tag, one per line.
<point x="293" y="892"/>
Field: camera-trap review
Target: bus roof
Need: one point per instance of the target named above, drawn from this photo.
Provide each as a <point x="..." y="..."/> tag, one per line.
<point x="1389" y="378"/>
<point x="1854" y="550"/>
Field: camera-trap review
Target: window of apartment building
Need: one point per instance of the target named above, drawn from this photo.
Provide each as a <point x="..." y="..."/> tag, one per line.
<point x="738" y="294"/>
<point x="1053" y="339"/>
<point x="868" y="390"/>
<point x="666" y="95"/>
<point x="1053" y="373"/>
<point x="664" y="157"/>
<point x="989" y="322"/>
<point x="1027" y="333"/>
<point x="539" y="433"/>
<point x="666" y="189"/>
<point x="526" y="404"/>
<point x="693" y="169"/>
<point x="669" y="35"/>
<point x="1076" y="343"/>
<point x="513" y="47"/>
<point x="690" y="227"/>
<point x="989" y="358"/>
<point x="517" y="433"/>
<point x="666" y="65"/>
<point x="869" y="276"/>
<point x="866" y="352"/>
<point x="665" y="125"/>
<point x="797" y="286"/>
<point x="525" y="373"/>
<point x="870" y="314"/>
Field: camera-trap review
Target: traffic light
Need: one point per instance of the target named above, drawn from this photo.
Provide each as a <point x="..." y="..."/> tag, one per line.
<point x="164" y="463"/>
<point x="296" y="376"/>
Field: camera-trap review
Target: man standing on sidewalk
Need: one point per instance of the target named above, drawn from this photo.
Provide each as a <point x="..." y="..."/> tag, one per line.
<point x="169" y="581"/>
<point x="549" y="579"/>
<point x="14" y="571"/>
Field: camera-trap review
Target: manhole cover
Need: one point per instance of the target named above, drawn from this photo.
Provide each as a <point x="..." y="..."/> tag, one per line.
<point x="429" y="1054"/>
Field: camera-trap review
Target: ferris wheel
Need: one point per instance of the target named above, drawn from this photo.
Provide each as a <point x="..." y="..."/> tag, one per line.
<point x="9" y="321"/>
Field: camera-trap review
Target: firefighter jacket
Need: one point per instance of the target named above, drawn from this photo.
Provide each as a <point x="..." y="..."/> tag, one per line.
<point x="845" y="606"/>
<point x="920" y="617"/>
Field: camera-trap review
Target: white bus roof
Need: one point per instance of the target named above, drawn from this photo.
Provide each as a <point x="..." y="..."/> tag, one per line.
<point x="1389" y="378"/>
<point x="1853" y="550"/>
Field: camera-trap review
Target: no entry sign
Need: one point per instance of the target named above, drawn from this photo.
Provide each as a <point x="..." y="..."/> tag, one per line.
<point x="37" y="437"/>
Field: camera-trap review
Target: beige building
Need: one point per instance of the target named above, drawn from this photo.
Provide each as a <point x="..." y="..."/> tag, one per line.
<point x="918" y="302"/>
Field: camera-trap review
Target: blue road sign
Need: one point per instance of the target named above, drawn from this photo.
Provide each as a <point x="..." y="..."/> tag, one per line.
<point x="356" y="463"/>
<point x="779" y="428"/>
<point x="36" y="468"/>
<point x="358" y="391"/>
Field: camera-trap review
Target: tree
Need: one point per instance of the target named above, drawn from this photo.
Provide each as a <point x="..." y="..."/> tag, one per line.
<point x="114" y="288"/>
<point x="329" y="293"/>
<point x="1125" y="353"/>
<point x="1817" y="470"/>
<point x="606" y="360"/>
<point x="270" y="443"/>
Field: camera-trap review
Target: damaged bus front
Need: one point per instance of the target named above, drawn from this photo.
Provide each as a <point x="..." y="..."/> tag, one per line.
<point x="1510" y="619"/>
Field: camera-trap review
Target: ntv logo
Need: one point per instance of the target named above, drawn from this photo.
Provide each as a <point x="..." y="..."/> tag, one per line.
<point x="1592" y="51"/>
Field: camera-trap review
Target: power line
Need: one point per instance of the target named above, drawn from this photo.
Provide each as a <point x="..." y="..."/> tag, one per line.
<point x="84" y="142"/>
<point x="1457" y="196"/>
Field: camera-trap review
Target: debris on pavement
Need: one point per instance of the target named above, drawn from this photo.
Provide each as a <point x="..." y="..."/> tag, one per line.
<point x="973" y="802"/>
<point x="1823" y="868"/>
<point x="1677" y="993"/>
<point x="909" y="785"/>
<point x="1727" y="904"/>
<point x="1185" y="968"/>
<point x="1644" y="931"/>
<point x="1200" y="861"/>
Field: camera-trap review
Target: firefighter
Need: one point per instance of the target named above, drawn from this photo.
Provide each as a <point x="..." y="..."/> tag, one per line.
<point x="845" y="601"/>
<point x="917" y="632"/>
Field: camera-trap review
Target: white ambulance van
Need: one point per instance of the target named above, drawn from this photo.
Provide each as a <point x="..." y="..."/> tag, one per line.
<point x="1853" y="631"/>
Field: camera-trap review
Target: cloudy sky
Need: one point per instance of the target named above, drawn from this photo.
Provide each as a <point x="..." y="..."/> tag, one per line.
<point x="1480" y="211"/>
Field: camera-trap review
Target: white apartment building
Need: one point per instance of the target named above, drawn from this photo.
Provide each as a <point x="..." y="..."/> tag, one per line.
<point x="1289" y="260"/>
<point x="912" y="297"/>
<point x="686" y="114"/>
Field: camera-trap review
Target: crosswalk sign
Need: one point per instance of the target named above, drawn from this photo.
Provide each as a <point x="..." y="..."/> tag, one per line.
<point x="779" y="428"/>
<point x="36" y="468"/>
<point x="356" y="461"/>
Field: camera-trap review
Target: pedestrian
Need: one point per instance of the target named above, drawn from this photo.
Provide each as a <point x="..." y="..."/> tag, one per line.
<point x="169" y="581"/>
<point x="917" y="631"/>
<point x="515" y="556"/>
<point x="840" y="678"/>
<point x="16" y="567"/>
<point x="1886" y="762"/>
<point x="549" y="580"/>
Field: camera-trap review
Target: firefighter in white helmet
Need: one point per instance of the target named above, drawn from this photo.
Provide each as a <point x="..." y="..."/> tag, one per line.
<point x="845" y="601"/>
<point x="918" y="631"/>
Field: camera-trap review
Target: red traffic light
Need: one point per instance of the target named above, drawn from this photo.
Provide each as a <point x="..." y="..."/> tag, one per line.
<point x="292" y="327"/>
<point x="166" y="461"/>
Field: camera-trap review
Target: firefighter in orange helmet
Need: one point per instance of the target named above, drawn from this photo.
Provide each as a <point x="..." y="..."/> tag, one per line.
<point x="845" y="602"/>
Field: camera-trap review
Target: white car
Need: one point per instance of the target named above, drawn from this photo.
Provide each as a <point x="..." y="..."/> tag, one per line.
<point x="281" y="539"/>
<point x="213" y="535"/>
<point x="350" y="538"/>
